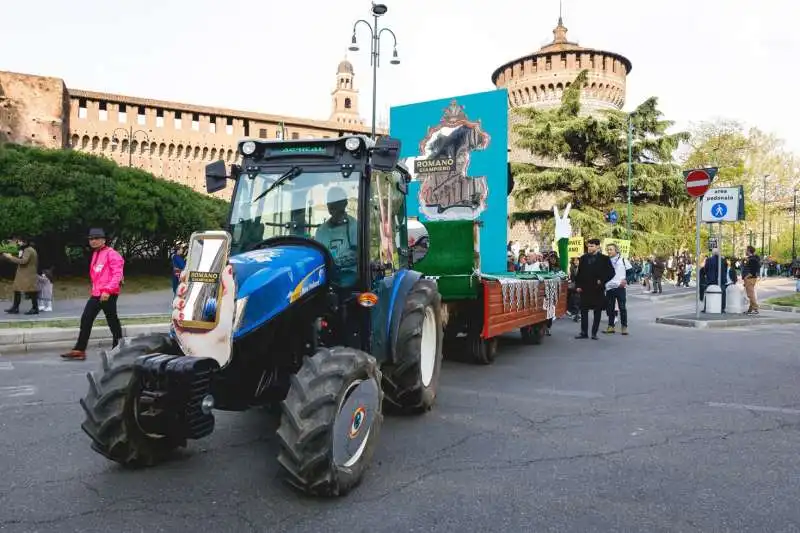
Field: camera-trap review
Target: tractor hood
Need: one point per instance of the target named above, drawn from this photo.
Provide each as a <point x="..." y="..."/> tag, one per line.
<point x="273" y="278"/>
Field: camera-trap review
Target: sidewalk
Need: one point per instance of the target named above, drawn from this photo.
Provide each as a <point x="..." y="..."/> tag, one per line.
<point x="20" y="340"/>
<point x="146" y="303"/>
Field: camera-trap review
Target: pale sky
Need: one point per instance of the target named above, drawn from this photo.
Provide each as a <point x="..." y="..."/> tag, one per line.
<point x="702" y="58"/>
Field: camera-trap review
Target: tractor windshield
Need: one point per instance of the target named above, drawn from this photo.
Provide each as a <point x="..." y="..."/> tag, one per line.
<point x="303" y="203"/>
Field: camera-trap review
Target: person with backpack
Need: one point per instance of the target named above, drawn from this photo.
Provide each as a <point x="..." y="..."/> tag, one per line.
<point x="105" y="271"/>
<point x="616" y="295"/>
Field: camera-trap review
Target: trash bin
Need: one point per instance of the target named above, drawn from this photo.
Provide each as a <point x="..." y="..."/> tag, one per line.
<point x="713" y="300"/>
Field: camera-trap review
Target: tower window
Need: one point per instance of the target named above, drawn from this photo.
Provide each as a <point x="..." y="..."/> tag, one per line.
<point x="82" y="112"/>
<point x="347" y="103"/>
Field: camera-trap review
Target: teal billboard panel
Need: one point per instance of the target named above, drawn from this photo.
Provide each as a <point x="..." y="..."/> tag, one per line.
<point x="457" y="152"/>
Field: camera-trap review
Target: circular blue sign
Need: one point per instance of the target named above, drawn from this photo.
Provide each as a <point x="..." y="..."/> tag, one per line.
<point x="719" y="210"/>
<point x="613" y="216"/>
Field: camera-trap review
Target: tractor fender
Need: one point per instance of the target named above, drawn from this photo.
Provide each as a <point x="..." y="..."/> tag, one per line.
<point x="403" y="281"/>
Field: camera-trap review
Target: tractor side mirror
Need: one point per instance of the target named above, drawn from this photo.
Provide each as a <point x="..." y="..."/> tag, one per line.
<point x="386" y="153"/>
<point x="216" y="176"/>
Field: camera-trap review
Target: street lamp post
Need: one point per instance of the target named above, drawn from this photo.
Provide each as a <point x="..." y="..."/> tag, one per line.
<point x="764" y="214"/>
<point x="794" y="226"/>
<point x="630" y="170"/>
<point x="378" y="10"/>
<point x="130" y="136"/>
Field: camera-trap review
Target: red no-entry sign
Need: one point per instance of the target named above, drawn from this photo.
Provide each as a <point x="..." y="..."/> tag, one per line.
<point x="699" y="180"/>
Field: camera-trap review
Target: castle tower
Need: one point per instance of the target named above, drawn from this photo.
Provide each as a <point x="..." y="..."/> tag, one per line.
<point x="345" y="96"/>
<point x="539" y="79"/>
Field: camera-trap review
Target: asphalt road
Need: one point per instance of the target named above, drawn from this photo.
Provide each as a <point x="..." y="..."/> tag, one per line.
<point x="669" y="429"/>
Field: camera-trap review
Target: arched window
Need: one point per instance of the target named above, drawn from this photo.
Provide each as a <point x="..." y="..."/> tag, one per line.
<point x="347" y="103"/>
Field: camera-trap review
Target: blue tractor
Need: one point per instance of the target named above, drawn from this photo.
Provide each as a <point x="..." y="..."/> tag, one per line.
<point x="305" y="302"/>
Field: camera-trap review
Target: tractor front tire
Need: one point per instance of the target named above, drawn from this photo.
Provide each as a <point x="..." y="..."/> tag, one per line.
<point x="331" y="421"/>
<point x="109" y="406"/>
<point x="411" y="382"/>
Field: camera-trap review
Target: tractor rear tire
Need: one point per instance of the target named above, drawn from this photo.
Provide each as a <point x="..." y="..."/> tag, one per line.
<point x="412" y="381"/>
<point x="110" y="402"/>
<point x="334" y="402"/>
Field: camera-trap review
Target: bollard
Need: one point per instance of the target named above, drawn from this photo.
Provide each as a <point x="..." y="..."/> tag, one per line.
<point x="734" y="299"/>
<point x="713" y="300"/>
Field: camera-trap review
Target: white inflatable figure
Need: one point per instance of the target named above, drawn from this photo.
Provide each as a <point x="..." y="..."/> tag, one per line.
<point x="216" y="343"/>
<point x="563" y="224"/>
<point x="563" y="233"/>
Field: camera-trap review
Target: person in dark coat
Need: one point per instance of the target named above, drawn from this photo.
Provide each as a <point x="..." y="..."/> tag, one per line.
<point x="594" y="271"/>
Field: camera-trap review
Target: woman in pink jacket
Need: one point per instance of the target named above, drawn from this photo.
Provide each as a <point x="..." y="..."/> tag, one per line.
<point x="105" y="272"/>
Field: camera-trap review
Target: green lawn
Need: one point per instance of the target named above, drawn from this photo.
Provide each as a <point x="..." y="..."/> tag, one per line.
<point x="793" y="300"/>
<point x="66" y="323"/>
<point x="69" y="288"/>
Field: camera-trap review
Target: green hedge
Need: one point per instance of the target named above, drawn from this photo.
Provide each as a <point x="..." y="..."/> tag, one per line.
<point x="54" y="196"/>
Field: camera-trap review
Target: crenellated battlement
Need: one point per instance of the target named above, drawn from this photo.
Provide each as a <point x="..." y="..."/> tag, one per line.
<point x="539" y="79"/>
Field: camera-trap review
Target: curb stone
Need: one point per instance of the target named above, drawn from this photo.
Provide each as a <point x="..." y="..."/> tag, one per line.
<point x="781" y="308"/>
<point x="730" y="323"/>
<point x="15" y="342"/>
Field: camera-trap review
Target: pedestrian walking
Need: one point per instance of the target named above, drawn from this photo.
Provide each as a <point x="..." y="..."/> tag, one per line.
<point x="594" y="271"/>
<point x="105" y="270"/>
<point x="616" y="293"/>
<point x="178" y="264"/>
<point x="750" y="273"/>
<point x="26" y="278"/>
<point x="45" y="284"/>
<point x="659" y="266"/>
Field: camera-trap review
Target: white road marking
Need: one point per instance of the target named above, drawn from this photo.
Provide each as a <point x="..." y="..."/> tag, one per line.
<point x="6" y="366"/>
<point x="761" y="408"/>
<point x="16" y="392"/>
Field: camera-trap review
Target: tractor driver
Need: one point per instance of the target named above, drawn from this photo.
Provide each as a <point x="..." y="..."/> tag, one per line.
<point x="340" y="235"/>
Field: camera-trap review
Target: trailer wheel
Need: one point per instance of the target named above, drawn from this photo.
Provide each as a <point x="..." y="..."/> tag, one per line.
<point x="532" y="334"/>
<point x="411" y="383"/>
<point x="483" y="351"/>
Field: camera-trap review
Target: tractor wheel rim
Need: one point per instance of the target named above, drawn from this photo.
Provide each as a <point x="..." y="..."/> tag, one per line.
<point x="427" y="356"/>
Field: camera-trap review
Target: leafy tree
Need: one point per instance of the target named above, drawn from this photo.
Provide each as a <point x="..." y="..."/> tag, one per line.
<point x="588" y="166"/>
<point x="55" y="196"/>
<point x="744" y="157"/>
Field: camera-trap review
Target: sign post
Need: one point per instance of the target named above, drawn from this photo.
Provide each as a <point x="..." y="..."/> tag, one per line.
<point x="697" y="183"/>
<point x="724" y="204"/>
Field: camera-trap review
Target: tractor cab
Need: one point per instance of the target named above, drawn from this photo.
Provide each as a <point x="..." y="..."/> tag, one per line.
<point x="346" y="194"/>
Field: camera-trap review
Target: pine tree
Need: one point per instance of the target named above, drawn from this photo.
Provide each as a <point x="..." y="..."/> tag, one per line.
<point x="589" y="156"/>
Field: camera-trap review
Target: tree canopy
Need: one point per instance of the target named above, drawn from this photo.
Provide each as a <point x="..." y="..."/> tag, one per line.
<point x="744" y="157"/>
<point x="55" y="196"/>
<point x="586" y="163"/>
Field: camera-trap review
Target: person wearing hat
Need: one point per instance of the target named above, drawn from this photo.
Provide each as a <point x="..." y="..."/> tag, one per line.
<point x="26" y="278"/>
<point x="105" y="271"/>
<point x="340" y="234"/>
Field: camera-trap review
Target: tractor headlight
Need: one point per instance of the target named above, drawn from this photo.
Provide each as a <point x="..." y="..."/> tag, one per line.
<point x="241" y="305"/>
<point x="249" y="148"/>
<point x="352" y="143"/>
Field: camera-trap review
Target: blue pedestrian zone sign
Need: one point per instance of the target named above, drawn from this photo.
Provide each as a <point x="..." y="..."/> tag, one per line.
<point x="613" y="216"/>
<point x="725" y="204"/>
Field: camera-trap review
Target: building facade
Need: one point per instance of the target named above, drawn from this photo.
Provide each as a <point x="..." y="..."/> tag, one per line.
<point x="171" y="140"/>
<point x="539" y="80"/>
